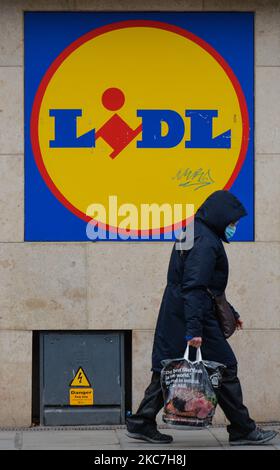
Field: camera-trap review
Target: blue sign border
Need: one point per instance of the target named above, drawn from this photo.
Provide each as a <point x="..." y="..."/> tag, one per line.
<point x="47" y="34"/>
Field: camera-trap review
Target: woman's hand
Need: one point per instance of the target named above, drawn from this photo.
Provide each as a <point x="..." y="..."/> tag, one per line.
<point x="239" y="324"/>
<point x="196" y="342"/>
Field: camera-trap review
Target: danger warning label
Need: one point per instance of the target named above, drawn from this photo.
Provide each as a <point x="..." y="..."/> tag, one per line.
<point x="80" y="397"/>
<point x="80" y="379"/>
<point x="81" y="394"/>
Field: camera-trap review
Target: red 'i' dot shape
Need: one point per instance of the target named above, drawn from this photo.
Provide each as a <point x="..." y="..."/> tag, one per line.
<point x="113" y="99"/>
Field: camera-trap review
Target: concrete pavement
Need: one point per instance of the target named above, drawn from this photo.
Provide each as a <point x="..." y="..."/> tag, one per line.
<point x="114" y="438"/>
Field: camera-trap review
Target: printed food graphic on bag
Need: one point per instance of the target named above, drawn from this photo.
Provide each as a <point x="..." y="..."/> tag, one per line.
<point x="190" y="404"/>
<point x="189" y="396"/>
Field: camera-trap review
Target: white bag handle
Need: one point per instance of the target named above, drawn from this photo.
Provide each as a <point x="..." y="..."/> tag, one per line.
<point x="198" y="355"/>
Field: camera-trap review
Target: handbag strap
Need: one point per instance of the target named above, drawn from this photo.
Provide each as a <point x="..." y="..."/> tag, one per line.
<point x="198" y="355"/>
<point x="211" y="293"/>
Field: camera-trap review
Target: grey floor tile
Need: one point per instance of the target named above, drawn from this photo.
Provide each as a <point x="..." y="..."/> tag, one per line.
<point x="249" y="448"/>
<point x="7" y="435"/>
<point x="7" y="440"/>
<point x="221" y="433"/>
<point x="72" y="447"/>
<point x="203" y="448"/>
<point x="7" y="445"/>
<point x="69" y="439"/>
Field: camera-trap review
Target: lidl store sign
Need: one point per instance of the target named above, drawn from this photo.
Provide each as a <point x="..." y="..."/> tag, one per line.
<point x="146" y="107"/>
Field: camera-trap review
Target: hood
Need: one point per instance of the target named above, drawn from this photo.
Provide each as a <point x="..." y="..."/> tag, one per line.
<point x="219" y="210"/>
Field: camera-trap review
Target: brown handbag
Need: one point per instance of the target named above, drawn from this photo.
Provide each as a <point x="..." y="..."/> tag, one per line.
<point x="224" y="314"/>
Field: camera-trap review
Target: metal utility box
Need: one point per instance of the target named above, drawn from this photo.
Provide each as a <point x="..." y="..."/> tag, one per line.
<point x="89" y="365"/>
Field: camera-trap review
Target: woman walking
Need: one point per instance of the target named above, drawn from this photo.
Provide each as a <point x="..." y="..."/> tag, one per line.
<point x="187" y="315"/>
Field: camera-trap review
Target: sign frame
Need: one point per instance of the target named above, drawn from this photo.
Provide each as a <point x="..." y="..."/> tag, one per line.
<point x="230" y="33"/>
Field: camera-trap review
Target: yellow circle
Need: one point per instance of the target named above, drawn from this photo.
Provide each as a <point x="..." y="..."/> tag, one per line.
<point x="155" y="69"/>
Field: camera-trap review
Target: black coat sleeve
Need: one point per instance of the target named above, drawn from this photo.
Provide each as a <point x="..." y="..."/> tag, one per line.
<point x="199" y="265"/>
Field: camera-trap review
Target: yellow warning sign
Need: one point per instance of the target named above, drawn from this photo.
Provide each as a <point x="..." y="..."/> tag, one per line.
<point x="80" y="397"/>
<point x="80" y="379"/>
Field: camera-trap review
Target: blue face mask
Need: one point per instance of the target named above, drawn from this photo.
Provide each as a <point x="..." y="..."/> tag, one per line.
<point x="230" y="231"/>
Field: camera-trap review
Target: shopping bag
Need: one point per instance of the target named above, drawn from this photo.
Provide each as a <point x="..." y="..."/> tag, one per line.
<point x="189" y="390"/>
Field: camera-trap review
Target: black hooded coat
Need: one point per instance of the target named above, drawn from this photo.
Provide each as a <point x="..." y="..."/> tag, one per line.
<point x="187" y="309"/>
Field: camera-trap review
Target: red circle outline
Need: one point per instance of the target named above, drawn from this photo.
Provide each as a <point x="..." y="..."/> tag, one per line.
<point x="97" y="32"/>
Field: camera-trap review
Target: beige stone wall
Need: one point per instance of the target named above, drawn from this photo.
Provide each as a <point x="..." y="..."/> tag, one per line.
<point x="81" y="286"/>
